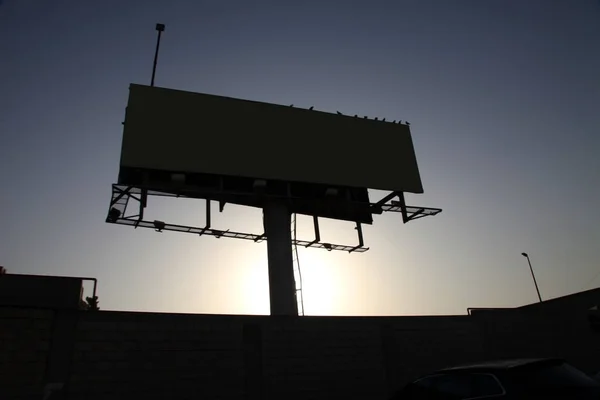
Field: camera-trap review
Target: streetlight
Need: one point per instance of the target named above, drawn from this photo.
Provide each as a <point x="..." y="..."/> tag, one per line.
<point x="533" y="275"/>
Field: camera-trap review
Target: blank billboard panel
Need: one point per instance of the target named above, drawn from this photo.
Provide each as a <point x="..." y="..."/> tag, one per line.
<point x="172" y="130"/>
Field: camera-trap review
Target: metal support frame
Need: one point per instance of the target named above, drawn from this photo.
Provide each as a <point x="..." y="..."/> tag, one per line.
<point x="378" y="208"/>
<point x="409" y="213"/>
<point x="122" y="194"/>
<point x="317" y="230"/>
<point x="328" y="246"/>
<point x="276" y="218"/>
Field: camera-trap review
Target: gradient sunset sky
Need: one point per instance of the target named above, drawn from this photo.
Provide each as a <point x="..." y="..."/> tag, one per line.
<point x="503" y="97"/>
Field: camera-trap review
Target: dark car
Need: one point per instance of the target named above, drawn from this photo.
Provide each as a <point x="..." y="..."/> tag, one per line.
<point x="506" y="379"/>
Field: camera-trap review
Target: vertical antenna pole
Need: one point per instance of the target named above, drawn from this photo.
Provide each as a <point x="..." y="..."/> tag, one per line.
<point x="160" y="28"/>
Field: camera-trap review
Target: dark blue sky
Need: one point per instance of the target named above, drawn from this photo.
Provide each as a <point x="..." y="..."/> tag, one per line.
<point x="503" y="99"/>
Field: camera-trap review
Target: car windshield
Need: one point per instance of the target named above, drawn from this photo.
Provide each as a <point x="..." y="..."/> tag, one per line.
<point x="553" y="375"/>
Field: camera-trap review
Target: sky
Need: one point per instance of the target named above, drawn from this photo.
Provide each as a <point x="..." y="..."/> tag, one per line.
<point x="502" y="96"/>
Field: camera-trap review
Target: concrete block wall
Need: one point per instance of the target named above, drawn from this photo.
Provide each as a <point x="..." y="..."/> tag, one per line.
<point x="114" y="355"/>
<point x="242" y="357"/>
<point x="155" y="356"/>
<point x="523" y="335"/>
<point x="323" y="358"/>
<point x="418" y="345"/>
<point x="25" y="336"/>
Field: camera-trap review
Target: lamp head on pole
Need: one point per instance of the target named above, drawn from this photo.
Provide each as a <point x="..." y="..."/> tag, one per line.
<point x="525" y="255"/>
<point x="160" y="27"/>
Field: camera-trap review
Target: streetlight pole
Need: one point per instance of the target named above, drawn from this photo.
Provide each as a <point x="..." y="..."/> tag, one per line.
<point x="533" y="275"/>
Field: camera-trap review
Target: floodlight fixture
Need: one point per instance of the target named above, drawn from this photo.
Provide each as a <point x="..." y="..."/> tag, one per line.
<point x="114" y="214"/>
<point x="159" y="225"/>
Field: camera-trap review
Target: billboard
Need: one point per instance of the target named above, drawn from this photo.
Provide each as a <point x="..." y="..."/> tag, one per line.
<point x="185" y="132"/>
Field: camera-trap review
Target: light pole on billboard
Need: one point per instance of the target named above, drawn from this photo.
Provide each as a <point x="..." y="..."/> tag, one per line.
<point x="160" y="28"/>
<point x="533" y="275"/>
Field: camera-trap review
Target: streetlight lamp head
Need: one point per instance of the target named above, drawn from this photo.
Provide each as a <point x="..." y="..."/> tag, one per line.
<point x="524" y="255"/>
<point x="160" y="27"/>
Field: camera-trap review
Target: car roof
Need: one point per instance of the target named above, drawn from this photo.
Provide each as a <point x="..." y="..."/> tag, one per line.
<point x="501" y="364"/>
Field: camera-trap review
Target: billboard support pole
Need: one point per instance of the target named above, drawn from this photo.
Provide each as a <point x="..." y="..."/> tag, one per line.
<point x="282" y="286"/>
